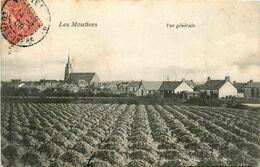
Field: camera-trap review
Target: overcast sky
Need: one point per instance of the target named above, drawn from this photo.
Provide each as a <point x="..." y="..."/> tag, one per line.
<point x="132" y="42"/>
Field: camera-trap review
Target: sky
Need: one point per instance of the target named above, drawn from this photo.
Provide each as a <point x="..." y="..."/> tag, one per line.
<point x="132" y="42"/>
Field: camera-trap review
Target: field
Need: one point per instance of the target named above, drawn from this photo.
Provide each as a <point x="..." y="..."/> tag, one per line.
<point x="64" y="134"/>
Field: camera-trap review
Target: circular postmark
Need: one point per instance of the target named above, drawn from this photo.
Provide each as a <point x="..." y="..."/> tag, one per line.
<point x="24" y="22"/>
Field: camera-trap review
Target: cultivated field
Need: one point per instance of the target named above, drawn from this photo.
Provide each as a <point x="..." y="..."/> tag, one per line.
<point x="48" y="134"/>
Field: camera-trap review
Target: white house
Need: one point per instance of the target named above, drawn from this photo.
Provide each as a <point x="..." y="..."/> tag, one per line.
<point x="169" y="88"/>
<point x="218" y="88"/>
<point x="149" y="87"/>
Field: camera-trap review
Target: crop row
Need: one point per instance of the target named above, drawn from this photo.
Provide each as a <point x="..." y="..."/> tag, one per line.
<point x="49" y="134"/>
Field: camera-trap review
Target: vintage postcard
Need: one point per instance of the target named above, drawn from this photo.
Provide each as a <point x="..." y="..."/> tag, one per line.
<point x="135" y="83"/>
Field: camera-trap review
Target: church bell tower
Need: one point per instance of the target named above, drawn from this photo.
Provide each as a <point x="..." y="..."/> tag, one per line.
<point x="68" y="69"/>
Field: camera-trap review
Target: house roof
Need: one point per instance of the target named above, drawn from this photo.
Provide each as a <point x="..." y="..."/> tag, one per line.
<point x="50" y="80"/>
<point x="198" y="86"/>
<point x="152" y="85"/>
<point x="253" y="85"/>
<point x="239" y="85"/>
<point x="134" y="84"/>
<point x="191" y="83"/>
<point x="75" y="77"/>
<point x="170" y="85"/>
<point x="212" y="85"/>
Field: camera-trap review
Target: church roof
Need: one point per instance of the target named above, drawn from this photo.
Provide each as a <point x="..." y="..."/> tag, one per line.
<point x="75" y="77"/>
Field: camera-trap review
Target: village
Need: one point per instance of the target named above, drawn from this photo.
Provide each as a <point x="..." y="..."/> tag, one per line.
<point x="89" y="84"/>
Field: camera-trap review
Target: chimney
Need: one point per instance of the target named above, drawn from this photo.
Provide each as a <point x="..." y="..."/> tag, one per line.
<point x="208" y="79"/>
<point x="234" y="82"/>
<point x="182" y="80"/>
<point x="227" y="78"/>
<point x="251" y="81"/>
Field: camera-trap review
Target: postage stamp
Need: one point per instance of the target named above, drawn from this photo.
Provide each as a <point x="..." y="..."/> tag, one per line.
<point x="25" y="23"/>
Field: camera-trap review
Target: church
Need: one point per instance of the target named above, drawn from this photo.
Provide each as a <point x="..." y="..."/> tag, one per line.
<point x="88" y="78"/>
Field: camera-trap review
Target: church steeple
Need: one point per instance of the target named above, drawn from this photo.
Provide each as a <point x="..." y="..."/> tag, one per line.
<point x="68" y="69"/>
<point x="68" y="59"/>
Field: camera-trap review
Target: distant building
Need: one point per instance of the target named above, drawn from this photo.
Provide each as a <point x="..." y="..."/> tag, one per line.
<point x="48" y="84"/>
<point x="14" y="83"/>
<point x="191" y="83"/>
<point x="252" y="89"/>
<point x="133" y="86"/>
<point x="169" y="88"/>
<point x="122" y="85"/>
<point x="240" y="88"/>
<point x="191" y="95"/>
<point x="71" y="87"/>
<point x="111" y="85"/>
<point x="29" y="86"/>
<point x="149" y="88"/>
<point x="81" y="79"/>
<point x="218" y="88"/>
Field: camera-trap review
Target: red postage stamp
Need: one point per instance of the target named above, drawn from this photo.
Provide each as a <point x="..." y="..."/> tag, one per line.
<point x="24" y="23"/>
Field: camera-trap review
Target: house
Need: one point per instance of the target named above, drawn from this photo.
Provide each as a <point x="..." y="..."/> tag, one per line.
<point x="191" y="83"/>
<point x="218" y="88"/>
<point x="191" y="95"/>
<point x="111" y="85"/>
<point x="149" y="88"/>
<point x="169" y="88"/>
<point x="133" y="86"/>
<point x="240" y="88"/>
<point x="72" y="87"/>
<point x="30" y="87"/>
<point x="83" y="79"/>
<point x="122" y="85"/>
<point x="48" y="84"/>
<point x="252" y="89"/>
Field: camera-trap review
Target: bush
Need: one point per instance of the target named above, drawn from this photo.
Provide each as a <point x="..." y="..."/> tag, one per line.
<point x="50" y="149"/>
<point x="72" y="157"/>
<point x="143" y="155"/>
<point x="109" y="155"/>
<point x="42" y="136"/>
<point x="138" y="163"/>
<point x="29" y="141"/>
<point x="10" y="152"/>
<point x="31" y="158"/>
<point x="83" y="148"/>
<point x="60" y="140"/>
